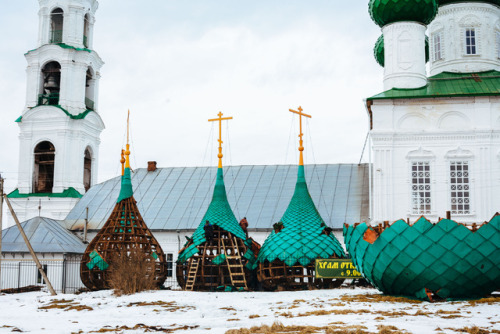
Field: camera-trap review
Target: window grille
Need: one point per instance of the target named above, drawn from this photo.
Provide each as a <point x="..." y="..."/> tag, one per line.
<point x="437" y="41"/>
<point x="421" y="187"/>
<point x="170" y="261"/>
<point x="459" y="187"/>
<point x="470" y="41"/>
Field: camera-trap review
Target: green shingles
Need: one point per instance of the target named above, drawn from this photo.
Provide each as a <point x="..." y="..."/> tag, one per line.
<point x="218" y="213"/>
<point x="446" y="258"/>
<point x="302" y="239"/>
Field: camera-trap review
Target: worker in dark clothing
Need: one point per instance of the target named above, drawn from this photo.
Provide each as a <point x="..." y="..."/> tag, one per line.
<point x="209" y="232"/>
<point x="244" y="226"/>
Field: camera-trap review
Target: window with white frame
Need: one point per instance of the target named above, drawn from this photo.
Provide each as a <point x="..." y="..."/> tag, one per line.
<point x="470" y="41"/>
<point x="459" y="187"/>
<point x="437" y="40"/>
<point x="421" y="187"/>
<point x="170" y="262"/>
<point x="498" y="43"/>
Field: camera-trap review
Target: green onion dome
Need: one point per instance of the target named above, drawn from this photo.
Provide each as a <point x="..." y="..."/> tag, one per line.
<point x="378" y="50"/>
<point x="445" y="258"/>
<point x="445" y="2"/>
<point x="384" y="12"/>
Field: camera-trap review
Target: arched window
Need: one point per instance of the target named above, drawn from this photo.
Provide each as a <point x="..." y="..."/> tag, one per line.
<point x="51" y="76"/>
<point x="43" y="172"/>
<point x="89" y="89"/>
<point x="86" y="28"/>
<point x="56" y="25"/>
<point x="87" y="169"/>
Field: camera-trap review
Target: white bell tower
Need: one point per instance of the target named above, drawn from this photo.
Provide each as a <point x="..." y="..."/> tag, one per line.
<point x="60" y="124"/>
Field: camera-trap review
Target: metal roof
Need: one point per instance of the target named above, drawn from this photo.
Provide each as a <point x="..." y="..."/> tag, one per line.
<point x="176" y="198"/>
<point x="447" y="84"/>
<point x="45" y="235"/>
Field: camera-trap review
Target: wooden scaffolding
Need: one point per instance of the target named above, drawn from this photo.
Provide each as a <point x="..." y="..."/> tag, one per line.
<point x="223" y="263"/>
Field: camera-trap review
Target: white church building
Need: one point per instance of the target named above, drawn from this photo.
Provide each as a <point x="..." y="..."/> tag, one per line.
<point x="434" y="137"/>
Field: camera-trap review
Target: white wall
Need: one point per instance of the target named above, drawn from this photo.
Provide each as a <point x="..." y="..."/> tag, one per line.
<point x="439" y="130"/>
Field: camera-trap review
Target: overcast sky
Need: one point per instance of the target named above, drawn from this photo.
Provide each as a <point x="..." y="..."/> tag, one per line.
<point x="175" y="64"/>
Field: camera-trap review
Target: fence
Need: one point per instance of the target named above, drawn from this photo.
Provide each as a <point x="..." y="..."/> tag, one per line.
<point x="64" y="275"/>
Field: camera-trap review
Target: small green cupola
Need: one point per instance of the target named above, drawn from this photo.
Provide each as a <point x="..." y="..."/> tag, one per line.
<point x="384" y="12"/>
<point x="219" y="253"/>
<point x="287" y="257"/>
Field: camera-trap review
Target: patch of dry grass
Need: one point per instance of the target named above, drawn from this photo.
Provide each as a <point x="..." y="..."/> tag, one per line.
<point x="374" y="298"/>
<point x="488" y="300"/>
<point x="66" y="305"/>
<point x="334" y="328"/>
<point x="166" y="306"/>
<point x="144" y="328"/>
<point x="472" y="330"/>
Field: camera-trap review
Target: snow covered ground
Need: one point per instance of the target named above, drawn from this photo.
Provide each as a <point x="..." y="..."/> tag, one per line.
<point x="322" y="311"/>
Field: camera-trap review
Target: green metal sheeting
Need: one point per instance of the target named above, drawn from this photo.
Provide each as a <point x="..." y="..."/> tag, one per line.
<point x="446" y="258"/>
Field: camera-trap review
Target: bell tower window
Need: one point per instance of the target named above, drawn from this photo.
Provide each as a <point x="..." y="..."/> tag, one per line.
<point x="470" y="41"/>
<point x="86" y="30"/>
<point x="56" y="25"/>
<point x="87" y="169"/>
<point x="43" y="172"/>
<point x="89" y="89"/>
<point x="51" y="76"/>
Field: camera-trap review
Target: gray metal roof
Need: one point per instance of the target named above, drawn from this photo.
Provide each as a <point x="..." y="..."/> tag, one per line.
<point x="45" y="235"/>
<point x="176" y="198"/>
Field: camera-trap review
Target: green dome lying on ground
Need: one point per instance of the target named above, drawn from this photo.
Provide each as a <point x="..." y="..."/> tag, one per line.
<point x="425" y="260"/>
<point x="384" y="12"/>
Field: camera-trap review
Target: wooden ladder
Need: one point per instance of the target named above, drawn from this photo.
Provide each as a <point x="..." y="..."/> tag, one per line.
<point x="234" y="264"/>
<point x="194" y="264"/>
<point x="193" y="270"/>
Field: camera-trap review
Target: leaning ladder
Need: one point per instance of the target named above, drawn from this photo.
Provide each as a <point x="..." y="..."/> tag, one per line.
<point x="234" y="264"/>
<point x="193" y="269"/>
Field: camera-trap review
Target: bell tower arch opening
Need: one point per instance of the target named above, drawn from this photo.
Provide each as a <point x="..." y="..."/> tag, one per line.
<point x="56" y="25"/>
<point x="86" y="30"/>
<point x="89" y="89"/>
<point x="87" y="169"/>
<point x="51" y="83"/>
<point x="43" y="171"/>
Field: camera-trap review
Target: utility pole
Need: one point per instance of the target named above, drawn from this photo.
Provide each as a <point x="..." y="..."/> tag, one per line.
<point x="33" y="255"/>
<point x="1" y="212"/>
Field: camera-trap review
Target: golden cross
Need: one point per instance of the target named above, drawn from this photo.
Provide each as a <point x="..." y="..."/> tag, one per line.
<point x="301" y="147"/>
<point x="127" y="150"/>
<point x="220" y="119"/>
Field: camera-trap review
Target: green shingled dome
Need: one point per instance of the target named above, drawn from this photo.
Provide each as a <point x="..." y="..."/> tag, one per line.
<point x="384" y="12"/>
<point x="445" y="2"/>
<point x="378" y="50"/>
<point x="301" y="239"/>
<point x="218" y="213"/>
<point x="446" y="258"/>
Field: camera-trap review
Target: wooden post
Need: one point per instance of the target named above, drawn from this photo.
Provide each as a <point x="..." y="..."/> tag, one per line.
<point x="35" y="258"/>
<point x="85" y="227"/>
<point x="448" y="214"/>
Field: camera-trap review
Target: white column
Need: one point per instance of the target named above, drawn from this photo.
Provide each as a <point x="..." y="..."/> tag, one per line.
<point x="404" y="55"/>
